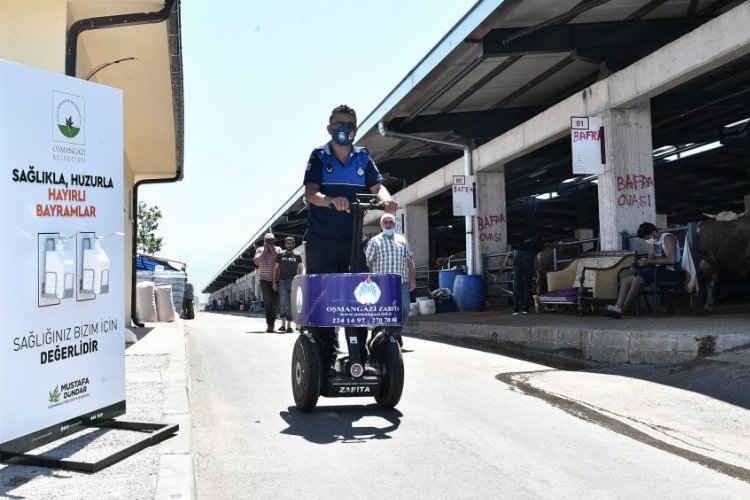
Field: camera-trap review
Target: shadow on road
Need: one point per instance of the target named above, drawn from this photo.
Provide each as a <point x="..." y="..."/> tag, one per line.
<point x="339" y="423"/>
<point x="720" y="380"/>
<point x="139" y="333"/>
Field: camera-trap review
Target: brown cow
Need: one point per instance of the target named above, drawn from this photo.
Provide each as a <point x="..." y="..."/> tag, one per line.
<point x="723" y="246"/>
<point x="567" y="250"/>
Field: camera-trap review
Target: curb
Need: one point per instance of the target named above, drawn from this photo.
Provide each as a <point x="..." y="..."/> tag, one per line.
<point x="176" y="475"/>
<point x="603" y="346"/>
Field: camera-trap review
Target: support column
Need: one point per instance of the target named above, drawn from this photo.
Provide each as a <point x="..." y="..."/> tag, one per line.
<point x="490" y="228"/>
<point x="418" y="234"/>
<point x="626" y="189"/>
<point x="370" y="230"/>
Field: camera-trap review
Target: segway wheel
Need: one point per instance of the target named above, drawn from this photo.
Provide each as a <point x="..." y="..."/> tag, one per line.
<point x="306" y="369"/>
<point x="393" y="382"/>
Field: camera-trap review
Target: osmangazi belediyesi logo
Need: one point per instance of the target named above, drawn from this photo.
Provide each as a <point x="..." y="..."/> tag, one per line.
<point x="68" y="118"/>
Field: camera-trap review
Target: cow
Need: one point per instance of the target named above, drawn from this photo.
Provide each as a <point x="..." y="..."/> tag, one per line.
<point x="456" y="260"/>
<point x="726" y="215"/>
<point x="722" y="246"/>
<point x="544" y="262"/>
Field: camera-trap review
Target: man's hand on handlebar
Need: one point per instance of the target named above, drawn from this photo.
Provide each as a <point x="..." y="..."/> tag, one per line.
<point x="339" y="203"/>
<point x="389" y="206"/>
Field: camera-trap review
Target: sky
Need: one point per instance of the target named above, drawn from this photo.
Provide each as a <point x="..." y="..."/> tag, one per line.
<point x="260" y="78"/>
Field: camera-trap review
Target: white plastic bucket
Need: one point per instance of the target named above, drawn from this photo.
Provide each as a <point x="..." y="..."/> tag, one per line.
<point x="426" y="306"/>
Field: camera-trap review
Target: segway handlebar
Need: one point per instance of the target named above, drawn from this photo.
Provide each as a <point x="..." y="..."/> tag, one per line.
<point x="362" y="202"/>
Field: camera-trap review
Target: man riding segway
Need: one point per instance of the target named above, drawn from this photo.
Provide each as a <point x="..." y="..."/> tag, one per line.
<point x="336" y="173"/>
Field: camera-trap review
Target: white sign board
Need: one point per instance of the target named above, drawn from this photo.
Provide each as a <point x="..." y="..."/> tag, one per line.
<point x="587" y="141"/>
<point x="463" y="195"/>
<point x="400" y="225"/>
<point x="62" y="359"/>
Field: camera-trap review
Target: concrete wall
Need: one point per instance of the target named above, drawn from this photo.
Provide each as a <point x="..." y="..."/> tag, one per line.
<point x="32" y="32"/>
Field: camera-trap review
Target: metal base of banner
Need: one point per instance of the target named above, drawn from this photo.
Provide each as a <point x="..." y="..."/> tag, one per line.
<point x="155" y="434"/>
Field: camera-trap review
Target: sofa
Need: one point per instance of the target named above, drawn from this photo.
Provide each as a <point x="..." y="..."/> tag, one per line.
<point x="588" y="281"/>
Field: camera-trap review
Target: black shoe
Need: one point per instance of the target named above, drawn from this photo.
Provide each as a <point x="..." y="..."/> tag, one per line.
<point x="612" y="313"/>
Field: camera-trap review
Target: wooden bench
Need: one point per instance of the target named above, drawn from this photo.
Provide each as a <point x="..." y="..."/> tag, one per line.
<point x="588" y="281"/>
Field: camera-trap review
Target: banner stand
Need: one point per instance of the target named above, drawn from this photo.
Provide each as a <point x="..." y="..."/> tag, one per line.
<point x="155" y="434"/>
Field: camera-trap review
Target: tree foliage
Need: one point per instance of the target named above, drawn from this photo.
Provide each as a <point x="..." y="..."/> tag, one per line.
<point x="148" y="223"/>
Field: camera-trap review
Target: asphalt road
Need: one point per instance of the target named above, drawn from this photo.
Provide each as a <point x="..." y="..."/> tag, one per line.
<point x="460" y="431"/>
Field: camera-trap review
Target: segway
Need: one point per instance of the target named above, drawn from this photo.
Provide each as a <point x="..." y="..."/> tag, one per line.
<point x="350" y="300"/>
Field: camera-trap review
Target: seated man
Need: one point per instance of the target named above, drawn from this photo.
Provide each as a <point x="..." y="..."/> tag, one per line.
<point x="663" y="251"/>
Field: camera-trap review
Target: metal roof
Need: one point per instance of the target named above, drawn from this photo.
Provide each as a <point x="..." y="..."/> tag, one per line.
<point x="506" y="61"/>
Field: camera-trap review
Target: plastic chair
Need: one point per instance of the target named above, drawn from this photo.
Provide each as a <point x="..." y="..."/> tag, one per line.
<point x="665" y="283"/>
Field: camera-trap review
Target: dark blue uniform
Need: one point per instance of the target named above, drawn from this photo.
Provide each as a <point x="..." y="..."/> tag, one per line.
<point x="356" y="176"/>
<point x="329" y="231"/>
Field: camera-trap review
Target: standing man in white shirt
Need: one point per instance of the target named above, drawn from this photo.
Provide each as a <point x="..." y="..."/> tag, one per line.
<point x="390" y="253"/>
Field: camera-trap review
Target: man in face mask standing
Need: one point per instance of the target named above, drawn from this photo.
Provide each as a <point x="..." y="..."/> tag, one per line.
<point x="664" y="251"/>
<point x="390" y="253"/>
<point x="336" y="172"/>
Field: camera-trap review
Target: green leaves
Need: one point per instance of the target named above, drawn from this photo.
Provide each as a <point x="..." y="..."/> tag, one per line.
<point x="54" y="396"/>
<point x="148" y="223"/>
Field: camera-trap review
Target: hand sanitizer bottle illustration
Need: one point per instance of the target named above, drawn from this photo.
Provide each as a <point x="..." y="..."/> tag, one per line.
<point x="59" y="271"/>
<point x="95" y="268"/>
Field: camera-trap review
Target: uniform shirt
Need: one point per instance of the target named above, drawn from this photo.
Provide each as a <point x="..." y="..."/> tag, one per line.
<point x="389" y="255"/>
<point x="357" y="175"/>
<point x="288" y="264"/>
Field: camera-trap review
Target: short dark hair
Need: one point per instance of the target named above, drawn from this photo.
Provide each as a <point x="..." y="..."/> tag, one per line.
<point x="342" y="108"/>
<point x="645" y="230"/>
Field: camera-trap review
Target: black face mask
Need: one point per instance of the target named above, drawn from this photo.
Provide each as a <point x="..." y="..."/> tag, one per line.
<point x="343" y="135"/>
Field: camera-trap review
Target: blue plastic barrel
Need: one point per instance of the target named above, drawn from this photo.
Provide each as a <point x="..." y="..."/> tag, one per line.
<point x="468" y="292"/>
<point x="447" y="277"/>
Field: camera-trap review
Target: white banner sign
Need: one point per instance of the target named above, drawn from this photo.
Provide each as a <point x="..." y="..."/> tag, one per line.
<point x="62" y="359"/>
<point x="463" y="195"/>
<point x="587" y="141"/>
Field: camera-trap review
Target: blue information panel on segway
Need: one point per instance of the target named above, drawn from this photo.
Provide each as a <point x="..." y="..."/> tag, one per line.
<point x="354" y="299"/>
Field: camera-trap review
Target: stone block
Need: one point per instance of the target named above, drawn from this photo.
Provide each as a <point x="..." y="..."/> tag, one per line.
<point x="515" y="334"/>
<point x="543" y="337"/>
<point x="653" y="341"/>
<point x="731" y="340"/>
<point x="569" y="338"/>
<point x="459" y="330"/>
<point x="686" y="342"/>
<point x="681" y="356"/>
<point x="610" y="346"/>
<point x="437" y="327"/>
<point x="652" y="356"/>
<point x="481" y="333"/>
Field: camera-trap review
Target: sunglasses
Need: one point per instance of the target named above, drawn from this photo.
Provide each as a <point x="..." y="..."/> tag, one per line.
<point x="344" y="124"/>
